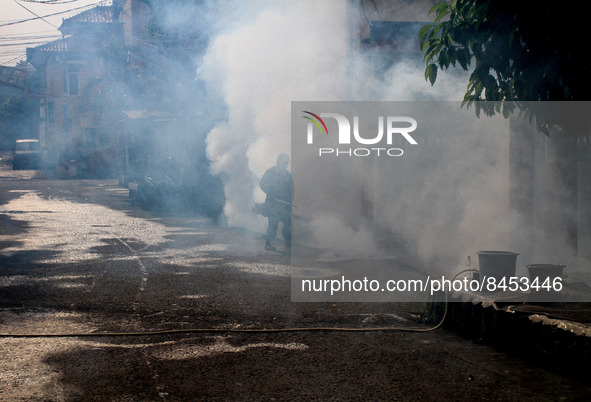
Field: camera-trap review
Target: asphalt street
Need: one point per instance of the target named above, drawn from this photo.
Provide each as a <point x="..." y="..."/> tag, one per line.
<point x="128" y="291"/>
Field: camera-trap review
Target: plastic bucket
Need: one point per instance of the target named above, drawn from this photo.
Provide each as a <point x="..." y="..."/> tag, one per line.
<point x="543" y="271"/>
<point x="497" y="264"/>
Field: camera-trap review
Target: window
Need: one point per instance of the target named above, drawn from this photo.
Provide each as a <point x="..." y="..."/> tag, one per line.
<point x="73" y="78"/>
<point x="50" y="112"/>
<point x="89" y="137"/>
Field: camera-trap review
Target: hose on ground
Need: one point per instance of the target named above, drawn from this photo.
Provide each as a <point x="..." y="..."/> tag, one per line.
<point x="243" y="330"/>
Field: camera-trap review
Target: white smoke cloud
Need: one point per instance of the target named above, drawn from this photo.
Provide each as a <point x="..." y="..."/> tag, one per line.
<point x="275" y="54"/>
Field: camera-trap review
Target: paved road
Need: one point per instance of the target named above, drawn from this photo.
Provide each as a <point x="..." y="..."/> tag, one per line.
<point x="77" y="258"/>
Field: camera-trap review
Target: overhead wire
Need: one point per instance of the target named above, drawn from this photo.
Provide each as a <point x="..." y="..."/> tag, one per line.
<point x="34" y="42"/>
<point x="19" y="42"/>
<point x="52" y="2"/>
<point x="48" y="15"/>
<point x="35" y="14"/>
<point x="20" y="57"/>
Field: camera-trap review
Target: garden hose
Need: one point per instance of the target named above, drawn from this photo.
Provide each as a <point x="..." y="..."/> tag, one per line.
<point x="242" y="330"/>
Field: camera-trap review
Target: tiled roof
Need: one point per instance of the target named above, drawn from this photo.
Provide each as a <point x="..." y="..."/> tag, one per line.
<point x="60" y="45"/>
<point x="63" y="45"/>
<point x="79" y="31"/>
<point x="96" y="15"/>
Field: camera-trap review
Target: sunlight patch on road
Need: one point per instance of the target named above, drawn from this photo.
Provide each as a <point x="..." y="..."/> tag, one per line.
<point x="25" y="373"/>
<point x="221" y="345"/>
<point x="192" y="296"/>
<point x="264" y="269"/>
<point x="63" y="280"/>
<point x="190" y="262"/>
<point x="213" y="248"/>
<point x="64" y="234"/>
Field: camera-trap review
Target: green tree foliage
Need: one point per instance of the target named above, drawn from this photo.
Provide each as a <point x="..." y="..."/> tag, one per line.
<point x="19" y="116"/>
<point x="517" y="51"/>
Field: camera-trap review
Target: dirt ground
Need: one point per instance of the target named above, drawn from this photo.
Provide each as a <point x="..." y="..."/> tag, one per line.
<point x="76" y="258"/>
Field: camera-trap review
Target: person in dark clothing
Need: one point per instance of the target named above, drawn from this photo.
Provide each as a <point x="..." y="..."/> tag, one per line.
<point x="277" y="184"/>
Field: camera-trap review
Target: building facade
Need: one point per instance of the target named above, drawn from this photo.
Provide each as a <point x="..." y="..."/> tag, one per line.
<point x="82" y="73"/>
